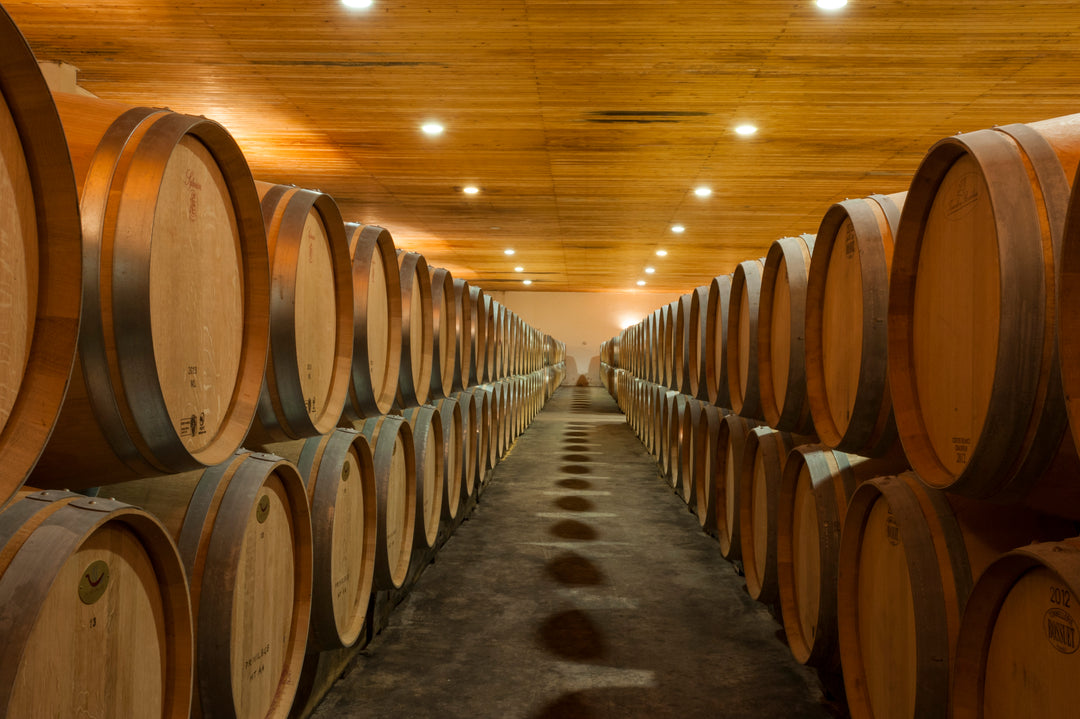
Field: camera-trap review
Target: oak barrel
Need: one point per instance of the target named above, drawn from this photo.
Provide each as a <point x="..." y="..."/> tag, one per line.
<point x="715" y="349"/>
<point x="97" y="617"/>
<point x="478" y="310"/>
<point x="339" y="474"/>
<point x="175" y="323"/>
<point x="40" y="271"/>
<point x="427" y="431"/>
<point x="244" y="533"/>
<point x="311" y="315"/>
<point x="463" y="335"/>
<point x="909" y="555"/>
<point x="781" y="335"/>
<point x="697" y="346"/>
<point x="443" y="333"/>
<point x="742" y="345"/>
<point x="706" y="436"/>
<point x="454" y="456"/>
<point x="417" y="331"/>
<point x="731" y="445"/>
<point x="847" y="298"/>
<point x="376" y="354"/>
<point x="978" y="234"/>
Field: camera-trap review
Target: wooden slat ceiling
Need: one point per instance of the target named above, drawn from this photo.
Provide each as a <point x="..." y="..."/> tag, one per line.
<point x="585" y="124"/>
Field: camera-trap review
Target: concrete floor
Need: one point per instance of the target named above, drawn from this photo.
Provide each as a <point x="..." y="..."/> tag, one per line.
<point x="580" y="587"/>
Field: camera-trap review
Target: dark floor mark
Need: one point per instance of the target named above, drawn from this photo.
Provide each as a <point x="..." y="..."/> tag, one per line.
<point x="569" y="706"/>
<point x="575" y="504"/>
<point x="576" y="458"/>
<point x="574" y="483"/>
<point x="573" y="529"/>
<point x="574" y="570"/>
<point x="573" y="635"/>
<point x="575" y="469"/>
<point x="575" y="435"/>
<point x="579" y="447"/>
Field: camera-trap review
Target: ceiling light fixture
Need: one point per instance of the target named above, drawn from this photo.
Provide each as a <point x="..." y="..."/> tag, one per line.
<point x="661" y="253"/>
<point x="831" y="4"/>
<point x="641" y="283"/>
<point x="526" y="282"/>
<point x="745" y="130"/>
<point x="678" y="229"/>
<point x="357" y="3"/>
<point x="650" y="270"/>
<point x="432" y="128"/>
<point x="470" y="190"/>
<point x="508" y="251"/>
<point x="702" y="191"/>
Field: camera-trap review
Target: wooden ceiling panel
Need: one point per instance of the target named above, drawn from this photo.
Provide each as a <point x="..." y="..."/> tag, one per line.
<point x="586" y="124"/>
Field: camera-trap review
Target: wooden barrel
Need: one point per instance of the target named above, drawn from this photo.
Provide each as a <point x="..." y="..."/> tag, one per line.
<point x="682" y="476"/>
<point x="480" y="433"/>
<point x="339" y="474"/>
<point x="696" y="349"/>
<point x="377" y="320"/>
<point x="427" y="431"/>
<point x="909" y="556"/>
<point x="668" y="349"/>
<point x="463" y="335"/>
<point x="469" y="419"/>
<point x="311" y="315"/>
<point x="444" y="333"/>
<point x="97" y="618"/>
<point x="742" y="346"/>
<point x="715" y="350"/>
<point x="394" y="459"/>
<point x="730" y="455"/>
<point x="244" y="533"/>
<point x="680" y="345"/>
<point x="705" y="437"/>
<point x="669" y="437"/>
<point x="781" y="335"/>
<point x="454" y="459"/>
<point x="490" y="416"/>
<point x="175" y="319"/>
<point x="815" y="487"/>
<point x="491" y="337"/>
<point x="40" y="273"/>
<point x="987" y="418"/>
<point x="1017" y="651"/>
<point x="847" y="297"/>
<point x="763" y="461"/>
<point x="478" y="309"/>
<point x="417" y="338"/>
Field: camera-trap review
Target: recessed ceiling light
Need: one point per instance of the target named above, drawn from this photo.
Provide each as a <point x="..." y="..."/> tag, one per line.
<point x="470" y="190"/>
<point x="831" y="4"/>
<point x="745" y="130"/>
<point x="432" y="128"/>
<point x="519" y="269"/>
<point x="661" y="253"/>
<point x="702" y="191"/>
<point x="641" y="283"/>
<point x="650" y="270"/>
<point x="678" y="229"/>
<point x="526" y="282"/>
<point x="508" y="251"/>
<point x="357" y="3"/>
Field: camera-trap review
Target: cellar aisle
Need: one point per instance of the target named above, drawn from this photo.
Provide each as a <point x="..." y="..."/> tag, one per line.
<point x="580" y="587"/>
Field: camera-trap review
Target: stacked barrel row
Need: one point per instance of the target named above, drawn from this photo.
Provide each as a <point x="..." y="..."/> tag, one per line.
<point x="274" y="417"/>
<point x="875" y="420"/>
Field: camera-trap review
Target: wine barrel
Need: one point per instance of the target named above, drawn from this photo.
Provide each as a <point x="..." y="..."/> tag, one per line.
<point x="454" y="457"/>
<point x="669" y="437"/>
<point x="40" y="275"/>
<point x="244" y="533"/>
<point x="417" y="338"/>
<point x="479" y="435"/>
<point x="715" y="350"/>
<point x="730" y="455"/>
<point x="394" y="459"/>
<point x="491" y="336"/>
<point x="742" y="347"/>
<point x="1017" y="651"/>
<point x="847" y="297"/>
<point x="680" y="345"/>
<point x="668" y="349"/>
<point x="781" y="335"/>
<point x="706" y="438"/>
<point x="443" y="333"/>
<point x="427" y="431"/>
<point x="339" y="474"/>
<point x="815" y="487"/>
<point x="469" y="418"/>
<point x="478" y="308"/>
<point x="311" y="315"/>
<point x="489" y="414"/>
<point x="376" y="355"/>
<point x="175" y="319"/>
<point x="97" y="618"/>
<point x="909" y="556"/>
<point x="683" y="480"/>
<point x="987" y="418"/>
<point x="463" y="335"/>
<point x="699" y="304"/>
<point x="763" y="461"/>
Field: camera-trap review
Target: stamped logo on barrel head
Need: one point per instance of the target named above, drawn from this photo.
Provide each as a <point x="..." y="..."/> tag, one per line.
<point x="94" y="582"/>
<point x="263" y="510"/>
<point x="1060" y="630"/>
<point x="892" y="530"/>
<point x="964" y="197"/>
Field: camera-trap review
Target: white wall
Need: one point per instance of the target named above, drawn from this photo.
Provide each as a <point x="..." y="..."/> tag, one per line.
<point x="583" y="320"/>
